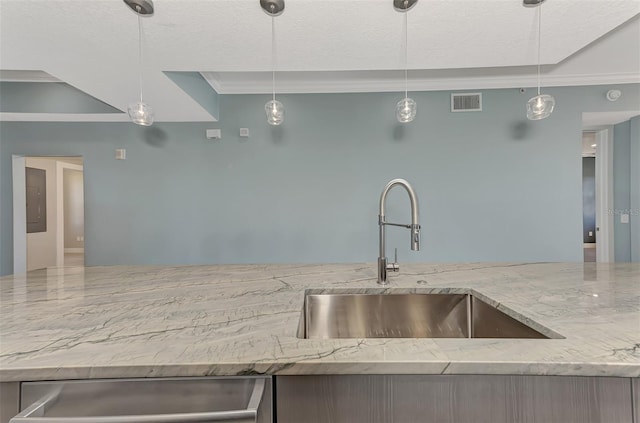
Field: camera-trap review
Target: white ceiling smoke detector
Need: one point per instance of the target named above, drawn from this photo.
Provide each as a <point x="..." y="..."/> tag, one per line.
<point x="613" y="95"/>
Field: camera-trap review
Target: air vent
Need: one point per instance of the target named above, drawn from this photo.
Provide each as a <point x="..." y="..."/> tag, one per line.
<point x="466" y="102"/>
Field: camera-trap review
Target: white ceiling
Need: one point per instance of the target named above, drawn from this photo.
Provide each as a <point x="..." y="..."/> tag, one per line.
<point x="323" y="45"/>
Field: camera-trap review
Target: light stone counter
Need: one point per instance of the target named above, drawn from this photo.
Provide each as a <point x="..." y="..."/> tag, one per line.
<point x="155" y="321"/>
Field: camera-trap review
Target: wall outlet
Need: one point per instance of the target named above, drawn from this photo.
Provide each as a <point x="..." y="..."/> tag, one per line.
<point x="244" y="132"/>
<point x="624" y="218"/>
<point x="213" y="134"/>
<point x="121" y="154"/>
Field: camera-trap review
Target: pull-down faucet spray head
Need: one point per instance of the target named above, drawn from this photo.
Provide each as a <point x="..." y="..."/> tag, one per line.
<point x="414" y="228"/>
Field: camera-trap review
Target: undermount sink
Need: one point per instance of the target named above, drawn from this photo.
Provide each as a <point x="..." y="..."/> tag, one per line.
<point x="407" y="315"/>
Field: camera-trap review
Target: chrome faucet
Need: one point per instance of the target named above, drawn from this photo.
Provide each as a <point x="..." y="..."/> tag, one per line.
<point x="383" y="266"/>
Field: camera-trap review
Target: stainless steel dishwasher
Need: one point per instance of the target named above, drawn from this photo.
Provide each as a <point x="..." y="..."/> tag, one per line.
<point x="244" y="399"/>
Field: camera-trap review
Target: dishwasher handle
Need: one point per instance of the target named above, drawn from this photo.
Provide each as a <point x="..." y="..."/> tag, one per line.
<point x="35" y="413"/>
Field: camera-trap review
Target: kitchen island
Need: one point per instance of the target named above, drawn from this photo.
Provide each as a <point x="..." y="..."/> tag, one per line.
<point x="159" y="321"/>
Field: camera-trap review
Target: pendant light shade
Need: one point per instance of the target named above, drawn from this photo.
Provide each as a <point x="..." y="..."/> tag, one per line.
<point x="406" y="108"/>
<point x="140" y="112"/>
<point x="274" y="109"/>
<point x="540" y="106"/>
<point x="275" y="112"/>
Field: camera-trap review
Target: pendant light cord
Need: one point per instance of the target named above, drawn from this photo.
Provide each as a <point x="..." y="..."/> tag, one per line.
<point x="539" y="41"/>
<point x="406" y="47"/>
<point x="139" y="50"/>
<point x="273" y="54"/>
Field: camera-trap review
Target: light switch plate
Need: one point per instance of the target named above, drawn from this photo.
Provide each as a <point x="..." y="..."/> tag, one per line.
<point x="213" y="134"/>
<point x="121" y="154"/>
<point x="624" y="218"/>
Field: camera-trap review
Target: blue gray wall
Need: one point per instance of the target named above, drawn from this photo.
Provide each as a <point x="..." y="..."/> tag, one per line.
<point x="48" y="97"/>
<point x="634" y="140"/>
<point x="492" y="186"/>
<point x="622" y="190"/>
<point x="194" y="84"/>
<point x="626" y="183"/>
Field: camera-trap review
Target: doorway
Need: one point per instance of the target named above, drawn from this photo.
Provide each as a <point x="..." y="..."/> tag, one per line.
<point x="597" y="194"/>
<point x="48" y="211"/>
<point x="589" y="235"/>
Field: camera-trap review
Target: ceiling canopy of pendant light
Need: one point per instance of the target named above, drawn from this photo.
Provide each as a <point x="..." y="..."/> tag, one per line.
<point x="273" y="108"/>
<point x="406" y="108"/>
<point x="140" y="113"/>
<point x="540" y="106"/>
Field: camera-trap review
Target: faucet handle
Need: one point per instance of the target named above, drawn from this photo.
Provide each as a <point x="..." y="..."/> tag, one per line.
<point x="394" y="267"/>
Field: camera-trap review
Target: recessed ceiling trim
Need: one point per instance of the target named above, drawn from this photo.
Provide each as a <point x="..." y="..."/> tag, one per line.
<point x="63" y="117"/>
<point x="10" y="75"/>
<point x="346" y="85"/>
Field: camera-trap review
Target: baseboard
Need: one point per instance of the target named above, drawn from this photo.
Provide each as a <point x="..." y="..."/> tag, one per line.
<point x="74" y="250"/>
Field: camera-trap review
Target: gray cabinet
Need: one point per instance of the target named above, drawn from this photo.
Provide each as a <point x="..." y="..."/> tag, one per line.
<point x="246" y="399"/>
<point x="452" y="398"/>
<point x="9" y="400"/>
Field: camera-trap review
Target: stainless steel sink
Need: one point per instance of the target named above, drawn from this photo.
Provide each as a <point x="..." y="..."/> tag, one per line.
<point x="407" y="315"/>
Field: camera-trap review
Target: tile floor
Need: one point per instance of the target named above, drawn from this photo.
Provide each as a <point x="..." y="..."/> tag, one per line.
<point x="74" y="259"/>
<point x="589" y="253"/>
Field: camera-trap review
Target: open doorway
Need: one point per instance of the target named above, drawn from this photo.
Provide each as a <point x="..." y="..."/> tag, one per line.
<point x="72" y="212"/>
<point x="48" y="202"/>
<point x="597" y="194"/>
<point x="589" y="233"/>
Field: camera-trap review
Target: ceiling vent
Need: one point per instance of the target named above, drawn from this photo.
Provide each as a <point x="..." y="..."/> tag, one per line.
<point x="466" y="102"/>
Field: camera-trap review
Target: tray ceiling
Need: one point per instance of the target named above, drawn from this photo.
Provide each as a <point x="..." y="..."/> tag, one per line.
<point x="323" y="45"/>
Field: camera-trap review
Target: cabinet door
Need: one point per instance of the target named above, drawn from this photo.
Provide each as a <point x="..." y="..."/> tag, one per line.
<point x="245" y="399"/>
<point x="457" y="398"/>
<point x="9" y="400"/>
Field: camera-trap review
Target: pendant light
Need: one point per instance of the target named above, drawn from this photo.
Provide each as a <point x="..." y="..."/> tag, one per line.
<point x="540" y="106"/>
<point x="140" y="112"/>
<point x="274" y="109"/>
<point x="406" y="108"/>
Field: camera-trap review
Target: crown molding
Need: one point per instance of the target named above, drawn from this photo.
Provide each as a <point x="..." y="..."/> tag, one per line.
<point x="360" y="85"/>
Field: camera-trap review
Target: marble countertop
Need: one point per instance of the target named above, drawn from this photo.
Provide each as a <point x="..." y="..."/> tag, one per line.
<point x="159" y="321"/>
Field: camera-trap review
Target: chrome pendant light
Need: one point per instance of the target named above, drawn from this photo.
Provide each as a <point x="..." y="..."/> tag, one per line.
<point x="140" y="112"/>
<point x="406" y="108"/>
<point x="274" y="109"/>
<point x="540" y="106"/>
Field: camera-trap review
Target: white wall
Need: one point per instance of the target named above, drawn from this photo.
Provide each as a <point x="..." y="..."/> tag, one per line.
<point x="73" y="194"/>
<point x="18" y="178"/>
<point x="41" y="246"/>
